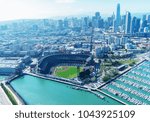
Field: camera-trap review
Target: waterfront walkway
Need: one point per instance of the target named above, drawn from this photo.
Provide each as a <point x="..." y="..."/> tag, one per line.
<point x="15" y="95"/>
<point x="3" y="98"/>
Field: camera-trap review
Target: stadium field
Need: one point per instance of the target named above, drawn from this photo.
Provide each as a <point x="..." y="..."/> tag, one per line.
<point x="66" y="72"/>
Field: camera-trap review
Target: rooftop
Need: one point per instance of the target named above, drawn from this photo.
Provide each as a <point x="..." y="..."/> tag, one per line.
<point x="9" y="62"/>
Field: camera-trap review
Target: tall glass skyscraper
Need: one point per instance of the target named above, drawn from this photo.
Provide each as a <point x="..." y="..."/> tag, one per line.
<point x="133" y="25"/>
<point x="128" y="23"/>
<point x="118" y="17"/>
<point x="137" y="23"/>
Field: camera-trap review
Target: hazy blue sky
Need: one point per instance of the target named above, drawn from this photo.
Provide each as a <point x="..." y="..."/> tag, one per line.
<point x="20" y="9"/>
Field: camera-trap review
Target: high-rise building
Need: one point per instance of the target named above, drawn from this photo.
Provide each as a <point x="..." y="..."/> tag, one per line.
<point x="113" y="16"/>
<point x="94" y="22"/>
<point x="128" y="23"/>
<point x="118" y="17"/>
<point x="117" y="41"/>
<point x="144" y="24"/>
<point x="137" y="25"/>
<point x="123" y="22"/>
<point x="66" y="23"/>
<point x="96" y="19"/>
<point x="123" y="40"/>
<point x="114" y="26"/>
<point x="85" y="22"/>
<point x="148" y="18"/>
<point x="101" y="23"/>
<point x="46" y="22"/>
<point x="114" y="22"/>
<point x="60" y="24"/>
<point x="110" y="21"/>
<point x="133" y="25"/>
<point x="97" y="15"/>
<point x="144" y="17"/>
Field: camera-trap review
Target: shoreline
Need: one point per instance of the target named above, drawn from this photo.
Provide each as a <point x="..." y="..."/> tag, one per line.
<point x="17" y="96"/>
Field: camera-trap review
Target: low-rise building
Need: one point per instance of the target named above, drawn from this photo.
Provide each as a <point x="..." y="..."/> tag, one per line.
<point x="10" y="65"/>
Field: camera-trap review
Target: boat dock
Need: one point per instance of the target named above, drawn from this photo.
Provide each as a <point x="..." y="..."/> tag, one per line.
<point x="112" y="97"/>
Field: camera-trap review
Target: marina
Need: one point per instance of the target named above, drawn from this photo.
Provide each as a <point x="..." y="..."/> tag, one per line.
<point x="132" y="87"/>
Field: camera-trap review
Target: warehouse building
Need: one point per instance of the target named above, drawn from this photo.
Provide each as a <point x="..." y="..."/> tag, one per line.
<point x="10" y="66"/>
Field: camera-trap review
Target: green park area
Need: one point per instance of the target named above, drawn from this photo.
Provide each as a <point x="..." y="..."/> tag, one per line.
<point x="130" y="62"/>
<point x="67" y="71"/>
<point x="9" y="94"/>
<point x="108" y="69"/>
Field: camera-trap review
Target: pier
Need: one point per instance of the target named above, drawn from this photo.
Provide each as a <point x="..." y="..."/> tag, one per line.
<point x="112" y="97"/>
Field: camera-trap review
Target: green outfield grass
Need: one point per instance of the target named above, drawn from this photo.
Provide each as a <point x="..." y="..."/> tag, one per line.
<point x="66" y="71"/>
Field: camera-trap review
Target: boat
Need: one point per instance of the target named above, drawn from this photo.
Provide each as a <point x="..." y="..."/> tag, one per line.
<point x="75" y="87"/>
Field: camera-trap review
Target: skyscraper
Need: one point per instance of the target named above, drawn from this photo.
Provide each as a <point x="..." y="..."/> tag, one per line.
<point x="128" y="22"/>
<point x="148" y="18"/>
<point x="60" y="24"/>
<point x="133" y="25"/>
<point x="118" y="17"/>
<point x="144" y="24"/>
<point x="144" y="17"/>
<point x="94" y="22"/>
<point x="85" y="22"/>
<point x="96" y="19"/>
<point x="137" y="24"/>
<point x="66" y="23"/>
<point x="97" y="15"/>
<point x="123" y="22"/>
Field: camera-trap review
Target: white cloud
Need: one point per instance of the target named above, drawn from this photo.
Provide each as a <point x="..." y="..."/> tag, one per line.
<point x="65" y="1"/>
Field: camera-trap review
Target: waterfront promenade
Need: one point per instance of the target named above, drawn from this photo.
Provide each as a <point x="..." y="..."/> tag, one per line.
<point x="3" y="98"/>
<point x="57" y="79"/>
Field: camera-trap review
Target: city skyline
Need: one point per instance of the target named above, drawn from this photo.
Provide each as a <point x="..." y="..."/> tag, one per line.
<point x="35" y="9"/>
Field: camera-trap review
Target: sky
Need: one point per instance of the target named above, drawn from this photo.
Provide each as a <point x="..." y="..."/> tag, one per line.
<point x="32" y="9"/>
